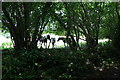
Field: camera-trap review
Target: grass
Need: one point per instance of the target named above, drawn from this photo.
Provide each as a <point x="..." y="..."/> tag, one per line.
<point x="6" y="45"/>
<point x="57" y="46"/>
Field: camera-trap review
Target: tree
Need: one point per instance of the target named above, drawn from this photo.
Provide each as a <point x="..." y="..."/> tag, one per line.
<point x="112" y="23"/>
<point x="25" y="21"/>
<point x="81" y="18"/>
<point x="63" y="15"/>
<point x="116" y="35"/>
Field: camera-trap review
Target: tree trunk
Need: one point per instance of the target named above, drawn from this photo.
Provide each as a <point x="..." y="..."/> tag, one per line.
<point x="116" y="36"/>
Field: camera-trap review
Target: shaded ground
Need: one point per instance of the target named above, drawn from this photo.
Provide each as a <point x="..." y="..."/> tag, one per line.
<point x="107" y="73"/>
<point x="54" y="64"/>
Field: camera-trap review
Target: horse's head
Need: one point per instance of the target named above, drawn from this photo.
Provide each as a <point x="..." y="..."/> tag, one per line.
<point x="58" y="39"/>
<point x="48" y="36"/>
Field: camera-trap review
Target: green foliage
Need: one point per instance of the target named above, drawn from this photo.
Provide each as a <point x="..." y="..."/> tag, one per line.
<point x="25" y="21"/>
<point x="93" y="20"/>
<point x="56" y="63"/>
<point x="46" y="64"/>
<point x="108" y="52"/>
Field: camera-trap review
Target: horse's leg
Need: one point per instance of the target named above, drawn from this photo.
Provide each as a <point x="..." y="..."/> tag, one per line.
<point x="53" y="45"/>
<point x="64" y="45"/>
<point x="49" y="44"/>
<point x="46" y="45"/>
<point x="67" y="45"/>
<point x="41" y="43"/>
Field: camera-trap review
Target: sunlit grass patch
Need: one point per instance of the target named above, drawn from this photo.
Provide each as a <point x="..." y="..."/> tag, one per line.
<point x="6" y="45"/>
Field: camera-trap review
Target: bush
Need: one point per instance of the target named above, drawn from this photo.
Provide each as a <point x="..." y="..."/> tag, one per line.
<point x="55" y="63"/>
<point x="46" y="64"/>
<point x="108" y="53"/>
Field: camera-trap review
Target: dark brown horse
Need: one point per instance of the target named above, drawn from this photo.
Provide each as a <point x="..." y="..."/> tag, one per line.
<point x="53" y="42"/>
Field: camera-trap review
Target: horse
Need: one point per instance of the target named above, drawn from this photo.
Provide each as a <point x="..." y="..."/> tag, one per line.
<point x="53" y="42"/>
<point x="44" y="39"/>
<point x="48" y="38"/>
<point x="65" y="40"/>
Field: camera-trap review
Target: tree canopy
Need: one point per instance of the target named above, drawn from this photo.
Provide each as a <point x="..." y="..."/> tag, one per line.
<point x="27" y="21"/>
